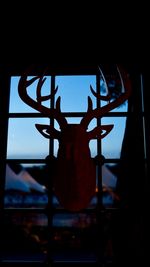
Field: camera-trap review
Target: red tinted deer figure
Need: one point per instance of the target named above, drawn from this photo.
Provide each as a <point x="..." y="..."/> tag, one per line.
<point x="74" y="180"/>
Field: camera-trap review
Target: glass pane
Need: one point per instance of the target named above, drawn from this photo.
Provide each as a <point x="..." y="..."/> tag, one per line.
<point x="78" y="220"/>
<point x="93" y="148"/>
<point x="74" y="91"/>
<point x="74" y="237"/>
<point x="25" y="141"/>
<point x="16" y="103"/>
<point x="73" y="120"/>
<point x="93" y="142"/>
<point x="91" y="205"/>
<point x="26" y="186"/>
<point x="109" y="181"/>
<point x="112" y="143"/>
<point x="121" y="108"/>
<point x="110" y="83"/>
<point x="24" y="237"/>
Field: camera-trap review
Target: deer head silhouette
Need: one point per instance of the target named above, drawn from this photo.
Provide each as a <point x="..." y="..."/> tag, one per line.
<point x="74" y="180"/>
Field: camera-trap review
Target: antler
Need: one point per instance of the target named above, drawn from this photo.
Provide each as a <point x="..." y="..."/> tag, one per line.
<point x="100" y="112"/>
<point x="37" y="105"/>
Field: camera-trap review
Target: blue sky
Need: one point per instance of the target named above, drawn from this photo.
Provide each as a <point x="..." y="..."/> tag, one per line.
<point x="24" y="141"/>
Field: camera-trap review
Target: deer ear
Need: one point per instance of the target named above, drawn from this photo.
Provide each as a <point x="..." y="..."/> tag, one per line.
<point x="48" y="131"/>
<point x="100" y="131"/>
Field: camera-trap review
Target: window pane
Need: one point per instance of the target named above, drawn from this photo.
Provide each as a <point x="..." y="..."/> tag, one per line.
<point x="24" y="140"/>
<point x="109" y="181"/>
<point x="24" y="237"/>
<point x="122" y="108"/>
<point x="112" y="143"/>
<point x="112" y="85"/>
<point x="25" y="232"/>
<point x="93" y="142"/>
<point x="92" y="204"/>
<point x="26" y="186"/>
<point x="78" y="220"/>
<point x="74" y="236"/>
<point x="16" y="103"/>
<point x="74" y="91"/>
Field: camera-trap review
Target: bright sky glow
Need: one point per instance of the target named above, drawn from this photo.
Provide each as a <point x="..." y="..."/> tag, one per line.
<point x="24" y="141"/>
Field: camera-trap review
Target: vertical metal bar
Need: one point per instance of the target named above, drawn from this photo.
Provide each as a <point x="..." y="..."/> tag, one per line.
<point x="99" y="147"/>
<point x="49" y="176"/>
<point x="51" y="149"/>
<point x="99" y="183"/>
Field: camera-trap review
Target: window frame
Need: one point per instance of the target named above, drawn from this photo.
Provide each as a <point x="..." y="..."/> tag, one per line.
<point x="142" y="116"/>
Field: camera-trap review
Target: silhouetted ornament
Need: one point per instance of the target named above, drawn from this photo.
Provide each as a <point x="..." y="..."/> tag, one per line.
<point x="74" y="177"/>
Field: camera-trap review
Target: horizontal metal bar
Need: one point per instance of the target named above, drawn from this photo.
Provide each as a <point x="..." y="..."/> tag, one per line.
<point x="61" y="210"/>
<point x="44" y="161"/>
<point x="26" y="161"/>
<point x="67" y="114"/>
